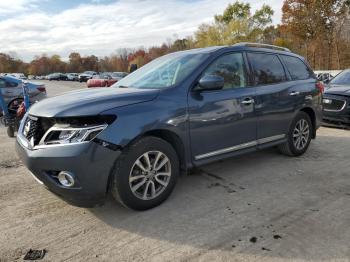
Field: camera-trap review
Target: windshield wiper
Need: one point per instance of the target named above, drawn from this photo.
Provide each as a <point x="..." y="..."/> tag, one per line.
<point x="122" y="86"/>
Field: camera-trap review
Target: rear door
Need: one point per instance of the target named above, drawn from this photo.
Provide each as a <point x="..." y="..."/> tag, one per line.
<point x="275" y="104"/>
<point x="223" y="121"/>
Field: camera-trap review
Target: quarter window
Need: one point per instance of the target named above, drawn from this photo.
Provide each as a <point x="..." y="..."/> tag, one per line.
<point x="267" y="68"/>
<point x="297" y="68"/>
<point x="231" y="67"/>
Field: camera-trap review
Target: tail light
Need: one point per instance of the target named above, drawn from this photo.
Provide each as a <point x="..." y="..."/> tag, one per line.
<point x="42" y="89"/>
<point x="320" y="87"/>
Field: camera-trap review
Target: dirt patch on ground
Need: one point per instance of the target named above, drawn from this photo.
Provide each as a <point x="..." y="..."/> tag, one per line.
<point x="258" y="207"/>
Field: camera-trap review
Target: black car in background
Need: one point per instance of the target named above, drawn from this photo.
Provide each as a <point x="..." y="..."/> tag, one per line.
<point x="336" y="101"/>
<point x="57" y="76"/>
<point x="84" y="77"/>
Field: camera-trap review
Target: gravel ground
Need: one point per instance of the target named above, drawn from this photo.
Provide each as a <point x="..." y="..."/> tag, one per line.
<point x="258" y="207"/>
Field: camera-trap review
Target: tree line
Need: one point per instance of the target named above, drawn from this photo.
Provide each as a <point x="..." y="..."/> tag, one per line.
<point x="316" y="29"/>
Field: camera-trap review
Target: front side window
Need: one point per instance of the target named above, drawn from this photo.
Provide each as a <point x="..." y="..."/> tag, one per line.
<point x="163" y="72"/>
<point x="231" y="67"/>
<point x="267" y="68"/>
<point x="297" y="68"/>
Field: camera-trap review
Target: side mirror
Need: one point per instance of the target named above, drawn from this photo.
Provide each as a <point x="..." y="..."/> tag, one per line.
<point x="211" y="82"/>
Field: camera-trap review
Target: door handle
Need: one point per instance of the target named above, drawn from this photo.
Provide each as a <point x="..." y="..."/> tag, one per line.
<point x="294" y="93"/>
<point x="248" y="101"/>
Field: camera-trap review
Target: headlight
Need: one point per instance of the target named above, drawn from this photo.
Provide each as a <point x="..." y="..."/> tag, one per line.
<point x="67" y="135"/>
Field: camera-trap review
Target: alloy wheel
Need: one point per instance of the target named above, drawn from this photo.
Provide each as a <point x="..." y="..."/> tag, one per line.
<point x="150" y="175"/>
<point x="301" y="134"/>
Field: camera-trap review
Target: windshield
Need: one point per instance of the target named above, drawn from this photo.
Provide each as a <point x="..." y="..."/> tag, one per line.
<point x="342" y="79"/>
<point x="163" y="72"/>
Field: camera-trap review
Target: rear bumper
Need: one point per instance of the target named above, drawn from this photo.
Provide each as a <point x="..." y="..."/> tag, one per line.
<point x="90" y="163"/>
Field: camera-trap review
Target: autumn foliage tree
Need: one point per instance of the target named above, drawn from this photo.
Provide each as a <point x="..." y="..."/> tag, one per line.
<point x="236" y="24"/>
<point x="316" y="29"/>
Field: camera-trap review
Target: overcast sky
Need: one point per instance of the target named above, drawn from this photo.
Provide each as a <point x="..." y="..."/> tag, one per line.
<point x="32" y="27"/>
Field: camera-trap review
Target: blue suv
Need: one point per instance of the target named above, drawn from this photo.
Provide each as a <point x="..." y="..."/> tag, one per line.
<point x="179" y="111"/>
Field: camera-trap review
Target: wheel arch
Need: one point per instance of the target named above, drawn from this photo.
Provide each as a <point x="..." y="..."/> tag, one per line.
<point x="169" y="136"/>
<point x="174" y="140"/>
<point x="311" y="113"/>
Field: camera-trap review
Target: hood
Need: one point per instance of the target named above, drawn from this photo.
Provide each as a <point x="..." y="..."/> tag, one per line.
<point x="88" y="102"/>
<point x="343" y="90"/>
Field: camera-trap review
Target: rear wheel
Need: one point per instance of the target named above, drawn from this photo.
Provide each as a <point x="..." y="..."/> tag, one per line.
<point x="145" y="174"/>
<point x="299" y="136"/>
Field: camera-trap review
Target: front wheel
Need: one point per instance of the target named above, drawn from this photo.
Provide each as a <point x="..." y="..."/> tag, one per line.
<point x="299" y="136"/>
<point x="145" y="174"/>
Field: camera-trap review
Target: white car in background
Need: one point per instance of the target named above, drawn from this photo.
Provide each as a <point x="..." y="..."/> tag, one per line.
<point x="84" y="77"/>
<point x="72" y="76"/>
<point x="18" y="76"/>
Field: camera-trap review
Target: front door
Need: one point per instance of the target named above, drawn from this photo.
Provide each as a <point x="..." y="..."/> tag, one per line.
<point x="223" y="121"/>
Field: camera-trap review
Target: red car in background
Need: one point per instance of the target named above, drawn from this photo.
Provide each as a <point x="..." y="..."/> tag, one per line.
<point x="105" y="79"/>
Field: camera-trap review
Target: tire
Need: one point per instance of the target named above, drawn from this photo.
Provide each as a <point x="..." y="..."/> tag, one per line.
<point x="292" y="147"/>
<point x="10" y="131"/>
<point x="127" y="174"/>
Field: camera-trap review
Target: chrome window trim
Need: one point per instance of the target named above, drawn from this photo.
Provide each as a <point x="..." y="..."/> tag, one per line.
<point x="241" y="146"/>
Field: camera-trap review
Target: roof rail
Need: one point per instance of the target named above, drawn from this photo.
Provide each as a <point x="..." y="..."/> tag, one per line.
<point x="274" y="47"/>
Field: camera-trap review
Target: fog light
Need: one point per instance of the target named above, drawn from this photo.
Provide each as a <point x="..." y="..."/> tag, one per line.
<point x="66" y="179"/>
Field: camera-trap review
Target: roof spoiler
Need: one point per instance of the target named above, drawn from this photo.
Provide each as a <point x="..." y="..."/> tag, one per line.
<point x="274" y="47"/>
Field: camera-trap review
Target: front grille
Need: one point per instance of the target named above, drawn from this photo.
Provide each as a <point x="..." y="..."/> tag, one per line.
<point x="35" y="128"/>
<point x="333" y="104"/>
<point x="30" y="128"/>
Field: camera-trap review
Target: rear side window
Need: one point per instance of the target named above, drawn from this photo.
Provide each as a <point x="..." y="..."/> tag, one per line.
<point x="267" y="68"/>
<point x="297" y="68"/>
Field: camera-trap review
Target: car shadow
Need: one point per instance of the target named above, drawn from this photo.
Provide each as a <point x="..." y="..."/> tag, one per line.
<point x="262" y="204"/>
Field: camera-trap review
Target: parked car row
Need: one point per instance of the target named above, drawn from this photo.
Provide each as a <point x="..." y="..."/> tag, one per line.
<point x="108" y="78"/>
<point x="15" y="75"/>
